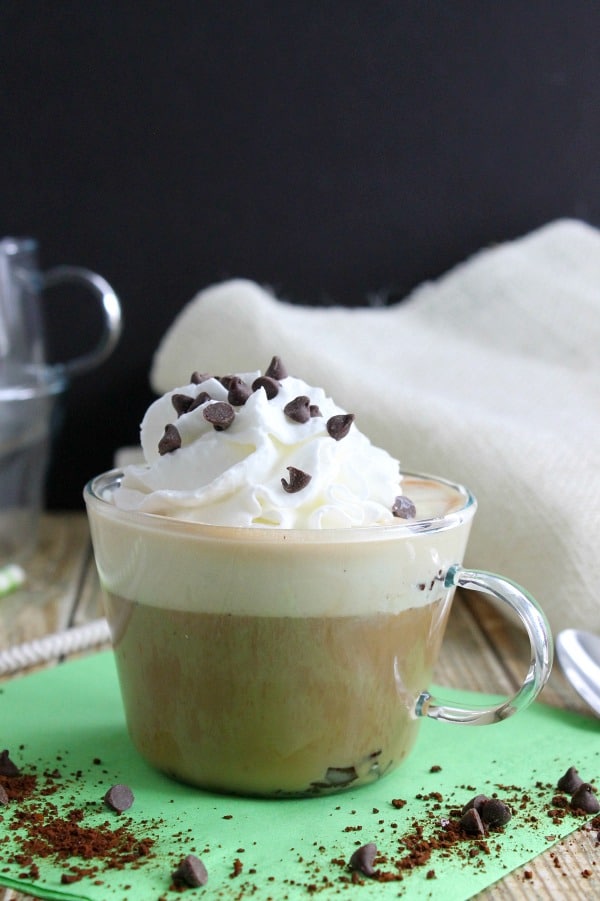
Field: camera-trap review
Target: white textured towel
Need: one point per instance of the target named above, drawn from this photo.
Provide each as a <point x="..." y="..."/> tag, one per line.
<point x="489" y="376"/>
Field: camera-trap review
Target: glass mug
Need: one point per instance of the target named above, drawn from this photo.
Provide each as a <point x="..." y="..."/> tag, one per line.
<point x="30" y="390"/>
<point x="290" y="663"/>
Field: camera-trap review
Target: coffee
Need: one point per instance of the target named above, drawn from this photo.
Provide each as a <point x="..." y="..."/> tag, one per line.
<point x="274" y="705"/>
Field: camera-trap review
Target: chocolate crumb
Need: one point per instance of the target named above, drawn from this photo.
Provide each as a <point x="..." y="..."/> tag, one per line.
<point x="276" y="369"/>
<point x="7" y="767"/>
<point x="191" y="871"/>
<point x="119" y="797"/>
<point x="584" y="799"/>
<point x="170" y="441"/>
<point x="363" y="858"/>
<point x="339" y="426"/>
<point x="238" y="392"/>
<point x="404" y="508"/>
<point x="220" y="415"/>
<point x="3" y="796"/>
<point x="298" y="409"/>
<point x="570" y="782"/>
<point x="268" y="383"/>
<point x="181" y="403"/>
<point x="298" y="480"/>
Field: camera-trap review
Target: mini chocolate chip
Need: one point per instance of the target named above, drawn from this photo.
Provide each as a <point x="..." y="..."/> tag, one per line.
<point x="191" y="871"/>
<point x="276" y="370"/>
<point x="298" y="409"/>
<point x="364" y="858"/>
<point x="298" y="480"/>
<point x="268" y="383"/>
<point x="200" y="399"/>
<point x="181" y="403"/>
<point x="477" y="802"/>
<point x="341" y="775"/>
<point x="238" y="392"/>
<point x="197" y="378"/>
<point x="471" y="822"/>
<point x="404" y="508"/>
<point x="170" y="441"/>
<point x="119" y="798"/>
<point x="585" y="799"/>
<point x="220" y="415"/>
<point x="339" y="426"/>
<point x="3" y="796"/>
<point x="7" y="767"/>
<point x="495" y="812"/>
<point x="570" y="782"/>
<point x="314" y="410"/>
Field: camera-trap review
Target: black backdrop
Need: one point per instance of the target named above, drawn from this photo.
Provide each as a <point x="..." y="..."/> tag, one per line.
<point x="335" y="150"/>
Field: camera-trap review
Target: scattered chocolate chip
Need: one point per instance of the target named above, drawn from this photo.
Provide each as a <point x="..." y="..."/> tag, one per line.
<point x="220" y="415"/>
<point x="314" y="410"/>
<point x="268" y="383"/>
<point x="7" y="767"/>
<point x="570" y="782"/>
<point x="298" y="480"/>
<point x="471" y="822"/>
<point x="119" y="798"/>
<point x="170" y="441"/>
<point x="197" y="378"/>
<point x="3" y="796"/>
<point x="191" y="872"/>
<point x="495" y="813"/>
<point x="276" y="370"/>
<point x="404" y="508"/>
<point x="340" y="775"/>
<point x="181" y="403"/>
<point x="584" y="799"/>
<point x="339" y="426"/>
<point x="477" y="802"/>
<point x="238" y="392"/>
<point x="298" y="409"/>
<point x="364" y="858"/>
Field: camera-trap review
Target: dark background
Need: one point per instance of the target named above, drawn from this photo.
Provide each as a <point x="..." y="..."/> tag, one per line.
<point x="338" y="151"/>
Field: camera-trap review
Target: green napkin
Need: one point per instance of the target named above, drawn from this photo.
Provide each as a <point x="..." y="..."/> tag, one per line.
<point x="69" y="719"/>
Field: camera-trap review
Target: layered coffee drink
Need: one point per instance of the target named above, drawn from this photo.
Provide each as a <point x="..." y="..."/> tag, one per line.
<point x="274" y="634"/>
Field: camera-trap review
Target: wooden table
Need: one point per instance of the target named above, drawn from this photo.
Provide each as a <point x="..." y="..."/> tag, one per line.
<point x="482" y="651"/>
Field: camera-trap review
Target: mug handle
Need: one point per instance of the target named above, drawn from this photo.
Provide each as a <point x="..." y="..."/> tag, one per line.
<point x="540" y="639"/>
<point x="111" y="308"/>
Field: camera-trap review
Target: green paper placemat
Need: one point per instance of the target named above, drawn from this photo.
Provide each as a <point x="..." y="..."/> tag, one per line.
<point x="65" y="725"/>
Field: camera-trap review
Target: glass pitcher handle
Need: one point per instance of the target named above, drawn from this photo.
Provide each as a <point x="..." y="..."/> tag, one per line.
<point x="540" y="640"/>
<point x="111" y="309"/>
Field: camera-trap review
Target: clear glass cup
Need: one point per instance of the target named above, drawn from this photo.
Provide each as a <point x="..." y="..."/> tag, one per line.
<point x="291" y="663"/>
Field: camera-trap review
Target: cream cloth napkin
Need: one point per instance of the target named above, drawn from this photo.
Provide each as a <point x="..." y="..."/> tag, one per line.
<point x="489" y="376"/>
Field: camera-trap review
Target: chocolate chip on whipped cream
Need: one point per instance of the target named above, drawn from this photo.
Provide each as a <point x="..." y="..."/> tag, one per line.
<point x="220" y="415"/>
<point x="339" y="426"/>
<point x="404" y="508"/>
<point x="314" y="410"/>
<point x="297" y="481"/>
<point x="238" y="392"/>
<point x="276" y="370"/>
<point x="181" y="403"/>
<point x="197" y="378"/>
<point x="268" y="383"/>
<point x="298" y="409"/>
<point x="170" y="441"/>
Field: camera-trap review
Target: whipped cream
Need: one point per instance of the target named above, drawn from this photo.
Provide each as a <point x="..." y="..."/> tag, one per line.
<point x="262" y="450"/>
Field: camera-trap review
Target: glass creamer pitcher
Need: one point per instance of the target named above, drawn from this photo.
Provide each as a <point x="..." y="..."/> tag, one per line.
<point x="30" y="388"/>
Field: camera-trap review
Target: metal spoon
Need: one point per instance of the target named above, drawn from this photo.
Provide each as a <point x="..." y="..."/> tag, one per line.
<point x="579" y="656"/>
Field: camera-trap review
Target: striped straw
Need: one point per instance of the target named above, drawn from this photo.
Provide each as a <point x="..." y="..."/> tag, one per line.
<point x="50" y="647"/>
<point x="12" y="577"/>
